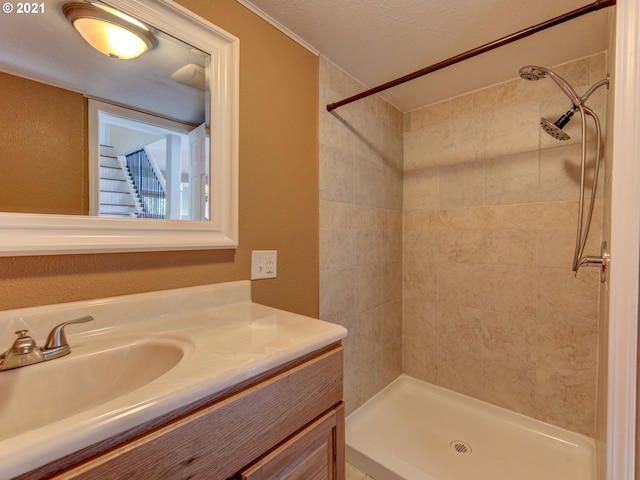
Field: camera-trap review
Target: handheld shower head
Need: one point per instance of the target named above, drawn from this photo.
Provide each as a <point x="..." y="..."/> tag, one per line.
<point x="555" y="129"/>
<point x="532" y="72"/>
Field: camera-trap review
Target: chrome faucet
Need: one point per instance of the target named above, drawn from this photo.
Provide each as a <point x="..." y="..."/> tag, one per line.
<point x="25" y="351"/>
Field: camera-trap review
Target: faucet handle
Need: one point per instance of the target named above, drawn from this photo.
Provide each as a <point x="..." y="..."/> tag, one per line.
<point x="24" y="344"/>
<point x="23" y="352"/>
<point x="57" y="338"/>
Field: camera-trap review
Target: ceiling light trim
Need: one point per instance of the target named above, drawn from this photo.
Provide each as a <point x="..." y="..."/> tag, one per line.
<point x="76" y="11"/>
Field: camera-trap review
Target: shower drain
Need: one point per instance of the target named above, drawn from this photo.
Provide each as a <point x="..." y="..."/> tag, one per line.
<point x="460" y="446"/>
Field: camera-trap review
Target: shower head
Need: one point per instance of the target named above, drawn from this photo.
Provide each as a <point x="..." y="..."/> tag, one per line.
<point x="531" y="72"/>
<point x="555" y="129"/>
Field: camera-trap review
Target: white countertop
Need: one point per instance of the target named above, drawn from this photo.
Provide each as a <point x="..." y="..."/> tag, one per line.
<point x="224" y="337"/>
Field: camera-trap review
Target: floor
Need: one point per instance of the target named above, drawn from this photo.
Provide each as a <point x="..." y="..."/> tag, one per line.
<point x="354" y="474"/>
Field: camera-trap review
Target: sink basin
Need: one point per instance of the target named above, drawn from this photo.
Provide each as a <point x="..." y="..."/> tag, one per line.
<point x="41" y="394"/>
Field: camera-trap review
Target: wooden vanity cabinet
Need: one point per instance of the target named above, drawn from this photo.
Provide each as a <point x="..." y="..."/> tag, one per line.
<point x="308" y="455"/>
<point x="288" y="424"/>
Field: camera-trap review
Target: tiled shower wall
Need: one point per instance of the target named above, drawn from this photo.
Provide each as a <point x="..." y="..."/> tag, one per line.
<point x="491" y="306"/>
<point x="361" y="232"/>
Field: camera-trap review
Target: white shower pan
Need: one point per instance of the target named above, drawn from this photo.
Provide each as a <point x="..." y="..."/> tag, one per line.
<point x="413" y="430"/>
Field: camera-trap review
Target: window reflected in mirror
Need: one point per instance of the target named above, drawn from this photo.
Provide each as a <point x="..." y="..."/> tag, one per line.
<point x="148" y="167"/>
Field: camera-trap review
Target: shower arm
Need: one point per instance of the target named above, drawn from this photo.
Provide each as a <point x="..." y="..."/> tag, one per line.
<point x="593" y="88"/>
<point x="566" y="88"/>
<point x="587" y="94"/>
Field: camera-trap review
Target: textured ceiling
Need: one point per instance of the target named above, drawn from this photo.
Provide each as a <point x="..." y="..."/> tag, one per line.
<point x="376" y="41"/>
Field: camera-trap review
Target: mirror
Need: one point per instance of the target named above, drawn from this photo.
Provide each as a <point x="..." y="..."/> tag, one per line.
<point x="180" y="98"/>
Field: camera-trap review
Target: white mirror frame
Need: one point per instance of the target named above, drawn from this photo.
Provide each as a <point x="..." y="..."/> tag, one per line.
<point x="40" y="234"/>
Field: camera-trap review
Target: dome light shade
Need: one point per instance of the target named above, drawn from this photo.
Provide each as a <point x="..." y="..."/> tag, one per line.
<point x="110" y="32"/>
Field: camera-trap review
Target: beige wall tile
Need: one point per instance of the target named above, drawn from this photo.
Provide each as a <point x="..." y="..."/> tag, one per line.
<point x="336" y="175"/>
<point x="391" y="331"/>
<point x="361" y="194"/>
<point x="597" y="67"/>
<point x="422" y="245"/>
<point x="485" y="100"/>
<point x="461" y="284"/>
<point x="419" y="359"/>
<point x="567" y="348"/>
<point x="368" y="218"/>
<point x="369" y="247"/>
<point x="421" y="189"/>
<point x="510" y="385"/>
<point x="335" y="215"/>
<point x="555" y="215"/>
<point x="446" y="246"/>
<point x="509" y="338"/>
<point x="524" y="216"/>
<point x="513" y="129"/>
<point x="462" y="185"/>
<point x="420" y="320"/>
<point x="337" y="248"/>
<point x="477" y="217"/>
<point x="394" y="220"/>
<point x="462" y="140"/>
<point x="509" y="289"/>
<point x="555" y="247"/>
<point x="560" y="172"/>
<point x="338" y="295"/>
<point x="514" y="325"/>
<point x="420" y="280"/>
<point x="392" y="188"/>
<point x="392" y="246"/>
<point x="460" y="371"/>
<point x="460" y="329"/>
<point x="431" y="115"/>
<point x="460" y="106"/>
<point x="510" y="247"/>
<point x="576" y="72"/>
<point x="512" y="92"/>
<point x="462" y="245"/>
<point x="392" y="282"/>
<point x="423" y="148"/>
<point x="566" y="400"/>
<point x="368" y="183"/>
<point x="513" y="179"/>
<point x="424" y="220"/>
<point x="566" y="298"/>
<point x="369" y="286"/>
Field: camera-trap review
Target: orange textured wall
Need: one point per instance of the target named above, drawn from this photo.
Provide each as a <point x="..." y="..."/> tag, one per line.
<point x="278" y="192"/>
<point x="46" y="124"/>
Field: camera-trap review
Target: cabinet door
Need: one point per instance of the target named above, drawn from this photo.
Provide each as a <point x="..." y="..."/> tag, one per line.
<point x="314" y="453"/>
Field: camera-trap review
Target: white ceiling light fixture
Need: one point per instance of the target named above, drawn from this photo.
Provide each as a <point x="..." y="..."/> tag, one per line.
<point x="193" y="75"/>
<point x="109" y="31"/>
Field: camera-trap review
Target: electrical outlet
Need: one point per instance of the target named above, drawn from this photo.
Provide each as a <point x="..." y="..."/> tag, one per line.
<point x="264" y="264"/>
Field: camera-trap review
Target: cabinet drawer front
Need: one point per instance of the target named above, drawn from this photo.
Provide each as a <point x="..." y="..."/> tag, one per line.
<point x="219" y="440"/>
<point x="312" y="454"/>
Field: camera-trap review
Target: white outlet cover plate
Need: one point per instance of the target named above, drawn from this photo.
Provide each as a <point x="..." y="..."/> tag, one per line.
<point x="264" y="264"/>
